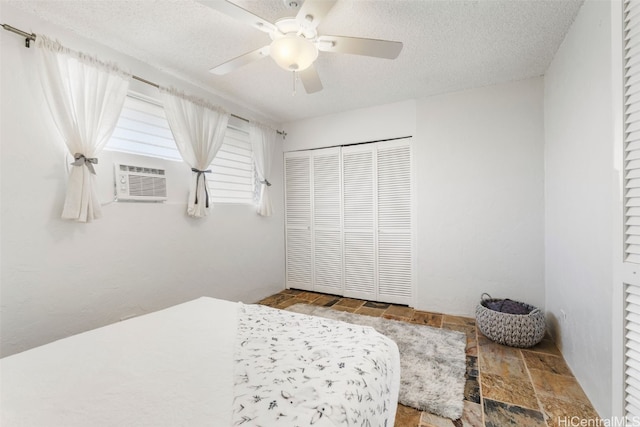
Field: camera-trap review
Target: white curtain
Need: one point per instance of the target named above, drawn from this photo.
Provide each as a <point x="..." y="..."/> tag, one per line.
<point x="198" y="129"/>
<point x="85" y="97"/>
<point x="263" y="142"/>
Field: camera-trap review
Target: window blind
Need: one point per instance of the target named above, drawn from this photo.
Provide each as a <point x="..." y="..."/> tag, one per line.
<point x="143" y="130"/>
<point x="232" y="178"/>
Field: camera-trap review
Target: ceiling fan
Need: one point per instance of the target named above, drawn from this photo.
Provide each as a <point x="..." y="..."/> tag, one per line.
<point x="295" y="41"/>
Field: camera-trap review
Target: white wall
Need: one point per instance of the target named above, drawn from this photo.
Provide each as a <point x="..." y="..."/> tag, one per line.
<point x="480" y="196"/>
<point x="578" y="196"/>
<point x="58" y="277"/>
<point x="479" y="187"/>
<point x="361" y="125"/>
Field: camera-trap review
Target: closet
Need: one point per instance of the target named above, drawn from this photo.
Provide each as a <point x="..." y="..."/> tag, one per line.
<point x="349" y="221"/>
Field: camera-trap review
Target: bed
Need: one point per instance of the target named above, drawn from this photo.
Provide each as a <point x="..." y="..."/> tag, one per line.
<point x="206" y="362"/>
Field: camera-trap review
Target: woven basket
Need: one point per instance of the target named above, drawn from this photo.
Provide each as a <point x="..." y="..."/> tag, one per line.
<point x="515" y="330"/>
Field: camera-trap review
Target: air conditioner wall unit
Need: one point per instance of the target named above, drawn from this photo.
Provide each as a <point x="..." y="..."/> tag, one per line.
<point x="140" y="184"/>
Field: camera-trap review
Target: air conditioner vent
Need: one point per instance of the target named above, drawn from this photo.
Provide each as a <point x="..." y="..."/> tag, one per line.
<point x="138" y="169"/>
<point x="136" y="183"/>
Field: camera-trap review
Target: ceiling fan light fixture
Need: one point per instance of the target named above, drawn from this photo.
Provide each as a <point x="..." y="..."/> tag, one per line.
<point x="293" y="53"/>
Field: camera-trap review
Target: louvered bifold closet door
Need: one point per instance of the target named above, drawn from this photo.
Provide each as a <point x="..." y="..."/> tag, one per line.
<point x="395" y="239"/>
<point x="632" y="133"/>
<point x="297" y="169"/>
<point x="630" y="267"/>
<point x="359" y="198"/>
<point x="632" y="353"/>
<point x="327" y="212"/>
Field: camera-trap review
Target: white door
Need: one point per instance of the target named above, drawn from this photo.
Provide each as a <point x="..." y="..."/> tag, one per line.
<point x="631" y="205"/>
<point x="297" y="176"/>
<point x="359" y="233"/>
<point x="349" y="221"/>
<point x="327" y="219"/>
<point x="395" y="237"/>
<point x="377" y="227"/>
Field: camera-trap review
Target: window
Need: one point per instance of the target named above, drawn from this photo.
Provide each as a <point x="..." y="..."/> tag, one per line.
<point x="143" y="129"/>
<point x="232" y="178"/>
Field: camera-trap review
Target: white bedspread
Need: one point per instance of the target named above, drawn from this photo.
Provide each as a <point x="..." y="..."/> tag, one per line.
<point x="297" y="370"/>
<point x="175" y="367"/>
<point x="168" y="368"/>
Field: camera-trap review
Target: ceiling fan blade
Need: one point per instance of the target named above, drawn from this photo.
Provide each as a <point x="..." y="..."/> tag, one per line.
<point x="243" y="15"/>
<point x="313" y="11"/>
<point x="358" y="46"/>
<point x="238" y="62"/>
<point x="310" y="80"/>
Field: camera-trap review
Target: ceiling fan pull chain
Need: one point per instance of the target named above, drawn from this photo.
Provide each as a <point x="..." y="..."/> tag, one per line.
<point x="294" y="83"/>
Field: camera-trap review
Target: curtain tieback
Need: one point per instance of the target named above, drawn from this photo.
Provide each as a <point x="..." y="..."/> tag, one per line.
<point x="265" y="182"/>
<point x="206" y="190"/>
<point x="81" y="160"/>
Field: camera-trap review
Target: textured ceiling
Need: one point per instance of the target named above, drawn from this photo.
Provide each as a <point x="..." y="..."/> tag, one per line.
<point x="449" y="45"/>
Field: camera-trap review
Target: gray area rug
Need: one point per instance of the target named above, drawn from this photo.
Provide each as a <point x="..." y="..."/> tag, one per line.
<point x="432" y="360"/>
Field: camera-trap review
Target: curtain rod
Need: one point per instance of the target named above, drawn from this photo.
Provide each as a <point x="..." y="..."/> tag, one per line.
<point x="32" y="37"/>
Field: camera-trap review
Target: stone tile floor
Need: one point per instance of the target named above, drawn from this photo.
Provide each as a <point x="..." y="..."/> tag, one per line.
<point x="505" y="386"/>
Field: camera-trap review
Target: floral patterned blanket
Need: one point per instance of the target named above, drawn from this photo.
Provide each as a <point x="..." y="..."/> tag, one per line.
<point x="297" y="370"/>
